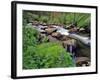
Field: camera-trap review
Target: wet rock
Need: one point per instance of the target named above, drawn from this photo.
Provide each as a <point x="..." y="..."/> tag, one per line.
<point x="52" y="39"/>
<point x="87" y="29"/>
<point x="70" y="45"/>
<point x="44" y="24"/>
<point x="69" y="42"/>
<point x="82" y="30"/>
<point x="50" y="26"/>
<point x="83" y="50"/>
<point x="64" y="38"/>
<point x="70" y="26"/>
<point x="40" y="30"/>
<point x="67" y="27"/>
<point x="82" y="61"/>
<point x="43" y="28"/>
<point x="50" y="30"/>
<point x="73" y="30"/>
<point x="56" y="34"/>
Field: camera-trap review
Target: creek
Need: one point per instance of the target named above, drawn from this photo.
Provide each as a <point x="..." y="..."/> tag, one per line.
<point x="81" y="49"/>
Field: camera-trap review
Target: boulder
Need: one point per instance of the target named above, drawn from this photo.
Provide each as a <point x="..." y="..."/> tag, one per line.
<point x="64" y="38"/>
<point x="52" y="39"/>
<point x="50" y="26"/>
<point x="69" y="42"/>
<point x="82" y="30"/>
<point x="44" y="24"/>
<point x="70" y="46"/>
<point x="83" y="50"/>
<point x="56" y="34"/>
<point x="82" y="61"/>
<point x="73" y="30"/>
<point x="50" y="30"/>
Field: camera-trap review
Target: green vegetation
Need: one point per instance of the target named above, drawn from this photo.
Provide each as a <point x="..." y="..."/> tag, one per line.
<point x="42" y="55"/>
<point x="62" y="18"/>
<point x="30" y="37"/>
<point x="38" y="52"/>
<point x="29" y="17"/>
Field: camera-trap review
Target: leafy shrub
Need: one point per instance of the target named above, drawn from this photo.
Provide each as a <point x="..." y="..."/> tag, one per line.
<point x="30" y="37"/>
<point x="54" y="55"/>
<point x="42" y="55"/>
<point x="47" y="55"/>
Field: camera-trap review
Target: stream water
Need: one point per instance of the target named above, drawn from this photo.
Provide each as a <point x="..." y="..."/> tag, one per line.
<point x="83" y="48"/>
<point x="63" y="31"/>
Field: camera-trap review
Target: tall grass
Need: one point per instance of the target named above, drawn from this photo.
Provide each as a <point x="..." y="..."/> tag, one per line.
<point x="64" y="18"/>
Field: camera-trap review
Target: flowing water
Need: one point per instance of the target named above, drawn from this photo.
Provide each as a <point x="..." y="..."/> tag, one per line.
<point x="83" y="43"/>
